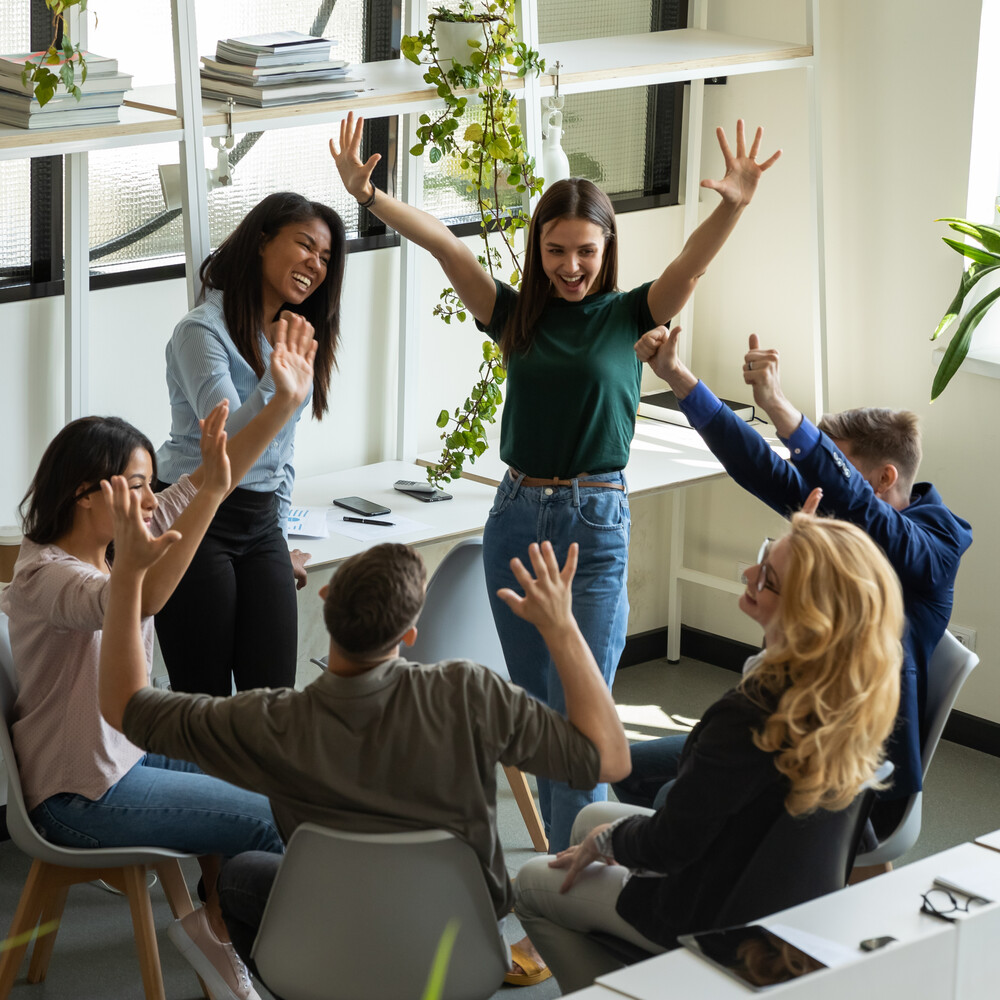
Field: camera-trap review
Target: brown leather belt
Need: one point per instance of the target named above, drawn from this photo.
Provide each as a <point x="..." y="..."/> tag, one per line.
<point x="535" y="481"/>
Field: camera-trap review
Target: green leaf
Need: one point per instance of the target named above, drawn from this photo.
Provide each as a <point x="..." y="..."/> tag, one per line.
<point x="435" y="154"/>
<point x="987" y="235"/>
<point x="957" y="350"/>
<point x="973" y="253"/>
<point x="425" y="120"/>
<point x="417" y="150"/>
<point x="969" y="278"/>
<point x="442" y="420"/>
<point x="442" y="956"/>
<point x="474" y="133"/>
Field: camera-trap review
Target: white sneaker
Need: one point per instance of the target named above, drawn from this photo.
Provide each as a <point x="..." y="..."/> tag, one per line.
<point x="220" y="968"/>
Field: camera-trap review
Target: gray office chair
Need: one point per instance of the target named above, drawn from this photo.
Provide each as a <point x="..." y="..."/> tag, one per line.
<point x="55" y="869"/>
<point x="457" y="622"/>
<point x="361" y="915"/>
<point x="799" y="858"/>
<point x="950" y="664"/>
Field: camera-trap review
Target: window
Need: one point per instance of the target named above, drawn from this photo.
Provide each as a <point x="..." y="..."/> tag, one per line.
<point x="134" y="238"/>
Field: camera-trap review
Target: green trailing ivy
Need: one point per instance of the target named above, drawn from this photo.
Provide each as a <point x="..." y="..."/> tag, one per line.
<point x="985" y="260"/>
<point x="59" y="62"/>
<point x="493" y="157"/>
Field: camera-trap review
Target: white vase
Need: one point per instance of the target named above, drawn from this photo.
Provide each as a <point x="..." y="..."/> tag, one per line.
<point x="453" y="39"/>
<point x="555" y="164"/>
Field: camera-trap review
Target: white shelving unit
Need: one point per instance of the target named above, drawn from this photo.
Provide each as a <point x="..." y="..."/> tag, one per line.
<point x="178" y="114"/>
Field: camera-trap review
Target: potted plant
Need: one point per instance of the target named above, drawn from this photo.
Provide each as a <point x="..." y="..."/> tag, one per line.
<point x="494" y="161"/>
<point x="985" y="259"/>
<point x="41" y="71"/>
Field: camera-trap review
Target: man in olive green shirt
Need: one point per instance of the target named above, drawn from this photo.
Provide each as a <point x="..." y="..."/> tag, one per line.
<point x="376" y="744"/>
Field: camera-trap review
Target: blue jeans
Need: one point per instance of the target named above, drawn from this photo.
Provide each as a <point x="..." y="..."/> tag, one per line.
<point x="598" y="520"/>
<point x="654" y="767"/>
<point x="162" y="802"/>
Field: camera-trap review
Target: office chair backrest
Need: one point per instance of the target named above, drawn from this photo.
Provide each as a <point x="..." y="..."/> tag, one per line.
<point x="951" y="663"/>
<point x="800" y="858"/>
<point x="361" y="915"/>
<point x="457" y="621"/>
<point x="21" y="831"/>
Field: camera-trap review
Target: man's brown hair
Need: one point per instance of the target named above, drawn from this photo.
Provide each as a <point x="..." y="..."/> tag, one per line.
<point x="877" y="436"/>
<point x="374" y="597"/>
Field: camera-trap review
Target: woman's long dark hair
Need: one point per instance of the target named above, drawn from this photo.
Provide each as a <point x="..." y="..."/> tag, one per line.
<point x="235" y="269"/>
<point x="574" y="198"/>
<point x="83" y="453"/>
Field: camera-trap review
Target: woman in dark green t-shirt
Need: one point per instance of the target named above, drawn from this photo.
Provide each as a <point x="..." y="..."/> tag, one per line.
<point x="572" y="393"/>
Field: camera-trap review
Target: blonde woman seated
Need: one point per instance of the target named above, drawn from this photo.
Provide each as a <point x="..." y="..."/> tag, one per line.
<point x="804" y="730"/>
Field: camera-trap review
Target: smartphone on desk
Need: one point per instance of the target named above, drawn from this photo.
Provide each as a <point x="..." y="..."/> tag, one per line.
<point x="420" y="491"/>
<point x="361" y="506"/>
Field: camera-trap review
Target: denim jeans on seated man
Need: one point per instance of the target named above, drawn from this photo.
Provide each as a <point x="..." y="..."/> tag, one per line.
<point x="654" y="767"/>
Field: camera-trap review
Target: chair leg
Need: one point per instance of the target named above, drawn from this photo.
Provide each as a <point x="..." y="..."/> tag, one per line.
<point x="175" y="888"/>
<point x="176" y="891"/>
<point x="52" y="912"/>
<point x="29" y="909"/>
<point x="860" y="873"/>
<point x="145" y="932"/>
<point x="518" y="782"/>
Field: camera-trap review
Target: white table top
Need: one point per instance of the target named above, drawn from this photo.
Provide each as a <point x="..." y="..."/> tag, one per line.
<point x="462" y="516"/>
<point x="663" y="457"/>
<point x="922" y="961"/>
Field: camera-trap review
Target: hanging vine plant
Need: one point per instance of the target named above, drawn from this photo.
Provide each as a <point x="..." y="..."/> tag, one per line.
<point x="60" y="61"/>
<point x="493" y="158"/>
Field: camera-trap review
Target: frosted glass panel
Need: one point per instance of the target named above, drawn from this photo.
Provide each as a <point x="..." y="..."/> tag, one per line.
<point x="15" y="202"/>
<point x="287" y="160"/>
<point x="125" y="201"/>
<point x="15" y="211"/>
<point x="126" y="207"/>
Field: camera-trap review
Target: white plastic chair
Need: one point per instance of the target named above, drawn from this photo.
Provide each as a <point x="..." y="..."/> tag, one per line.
<point x="950" y="664"/>
<point x="457" y="623"/>
<point x="360" y="915"/>
<point x="55" y="869"/>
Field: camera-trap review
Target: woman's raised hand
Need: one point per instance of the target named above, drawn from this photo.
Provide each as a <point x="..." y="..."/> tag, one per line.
<point x="742" y="170"/>
<point x="214" y="457"/>
<point x="355" y="174"/>
<point x="293" y="356"/>
<point x="135" y="549"/>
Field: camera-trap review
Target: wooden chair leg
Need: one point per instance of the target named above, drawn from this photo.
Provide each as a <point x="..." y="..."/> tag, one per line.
<point x="52" y="912"/>
<point x="179" y="898"/>
<point x="145" y="932"/>
<point x="518" y="782"/>
<point x="29" y="909"/>
<point x="859" y="873"/>
<point x="175" y="888"/>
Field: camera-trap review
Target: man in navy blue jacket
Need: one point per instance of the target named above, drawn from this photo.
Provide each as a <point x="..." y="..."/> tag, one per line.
<point x="865" y="461"/>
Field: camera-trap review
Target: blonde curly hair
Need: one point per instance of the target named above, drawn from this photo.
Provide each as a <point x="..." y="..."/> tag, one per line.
<point x="834" y="667"/>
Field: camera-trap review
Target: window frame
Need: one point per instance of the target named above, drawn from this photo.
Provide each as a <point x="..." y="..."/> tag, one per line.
<point x="45" y="270"/>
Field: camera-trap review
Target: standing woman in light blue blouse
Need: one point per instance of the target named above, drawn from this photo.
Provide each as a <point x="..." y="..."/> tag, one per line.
<point x="234" y="615"/>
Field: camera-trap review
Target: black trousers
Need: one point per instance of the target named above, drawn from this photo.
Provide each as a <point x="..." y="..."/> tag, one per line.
<point x="233" y="615"/>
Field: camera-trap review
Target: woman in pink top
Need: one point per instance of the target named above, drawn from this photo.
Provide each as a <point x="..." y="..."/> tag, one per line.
<point x="85" y="784"/>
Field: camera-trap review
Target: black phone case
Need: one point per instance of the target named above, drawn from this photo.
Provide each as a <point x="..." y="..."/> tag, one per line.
<point x="426" y="497"/>
<point x="342" y="502"/>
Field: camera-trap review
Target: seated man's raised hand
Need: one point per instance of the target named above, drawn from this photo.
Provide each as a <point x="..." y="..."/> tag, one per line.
<point x="659" y="349"/>
<point x="761" y="372"/>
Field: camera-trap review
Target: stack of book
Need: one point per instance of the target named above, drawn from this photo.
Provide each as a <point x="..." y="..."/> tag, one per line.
<point x="101" y="97"/>
<point x="281" y="67"/>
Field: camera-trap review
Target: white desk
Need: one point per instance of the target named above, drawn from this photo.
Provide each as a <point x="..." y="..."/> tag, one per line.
<point x="930" y="958"/>
<point x="663" y="457"/>
<point x="461" y="517"/>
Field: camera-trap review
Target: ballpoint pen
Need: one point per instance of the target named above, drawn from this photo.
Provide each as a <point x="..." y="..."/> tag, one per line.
<point x="368" y="520"/>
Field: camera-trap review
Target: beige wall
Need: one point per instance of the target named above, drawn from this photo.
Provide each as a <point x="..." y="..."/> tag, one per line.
<point x="897" y="84"/>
